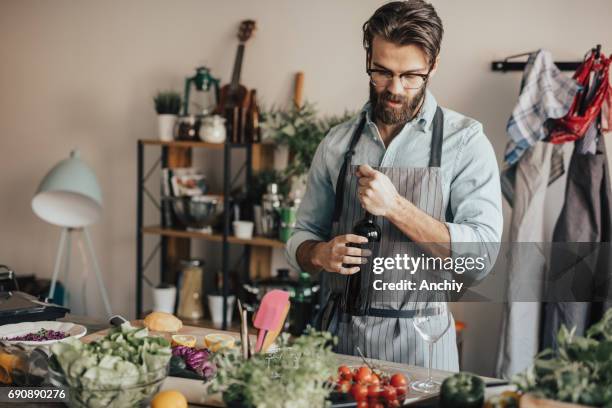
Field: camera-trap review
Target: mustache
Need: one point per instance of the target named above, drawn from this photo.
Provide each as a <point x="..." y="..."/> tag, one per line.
<point x="388" y="96"/>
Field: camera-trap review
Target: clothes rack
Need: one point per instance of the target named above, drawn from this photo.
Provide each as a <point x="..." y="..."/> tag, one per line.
<point x="506" y="65"/>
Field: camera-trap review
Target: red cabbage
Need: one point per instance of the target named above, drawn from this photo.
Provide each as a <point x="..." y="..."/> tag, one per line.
<point x="196" y="360"/>
<point x="41" y="335"/>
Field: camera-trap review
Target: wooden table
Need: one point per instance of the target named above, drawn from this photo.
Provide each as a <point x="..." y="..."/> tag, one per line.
<point x="195" y="391"/>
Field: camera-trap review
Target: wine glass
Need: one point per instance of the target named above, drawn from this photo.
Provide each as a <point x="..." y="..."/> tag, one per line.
<point x="432" y="319"/>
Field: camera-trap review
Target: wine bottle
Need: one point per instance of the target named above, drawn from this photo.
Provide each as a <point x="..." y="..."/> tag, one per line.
<point x="366" y="227"/>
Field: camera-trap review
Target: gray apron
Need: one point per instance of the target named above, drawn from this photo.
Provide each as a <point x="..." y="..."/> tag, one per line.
<point x="381" y="323"/>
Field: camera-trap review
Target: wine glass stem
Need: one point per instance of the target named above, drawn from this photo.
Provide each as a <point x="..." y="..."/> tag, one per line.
<point x="430" y="362"/>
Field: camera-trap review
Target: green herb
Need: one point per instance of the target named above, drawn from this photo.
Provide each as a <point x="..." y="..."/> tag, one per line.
<point x="167" y="102"/>
<point x="110" y="372"/>
<point x="579" y="372"/>
<point x="301" y="130"/>
<point x="294" y="377"/>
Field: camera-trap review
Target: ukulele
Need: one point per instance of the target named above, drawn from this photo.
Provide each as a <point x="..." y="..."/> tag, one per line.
<point x="235" y="94"/>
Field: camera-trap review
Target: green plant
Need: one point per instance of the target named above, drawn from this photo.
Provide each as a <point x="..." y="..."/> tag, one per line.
<point x="579" y="372"/>
<point x="167" y="102"/>
<point x="296" y="376"/>
<point x="301" y="130"/>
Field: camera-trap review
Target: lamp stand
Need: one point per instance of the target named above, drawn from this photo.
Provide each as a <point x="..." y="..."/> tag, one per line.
<point x="66" y="237"/>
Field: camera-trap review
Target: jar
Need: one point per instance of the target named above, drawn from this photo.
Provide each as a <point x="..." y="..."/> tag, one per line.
<point x="187" y="127"/>
<point x="191" y="293"/>
<point x="213" y="129"/>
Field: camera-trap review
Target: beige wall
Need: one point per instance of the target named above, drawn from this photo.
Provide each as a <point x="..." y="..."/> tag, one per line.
<point x="82" y="74"/>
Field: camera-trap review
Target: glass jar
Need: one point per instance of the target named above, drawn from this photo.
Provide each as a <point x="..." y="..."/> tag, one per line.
<point x="187" y="127"/>
<point x="191" y="292"/>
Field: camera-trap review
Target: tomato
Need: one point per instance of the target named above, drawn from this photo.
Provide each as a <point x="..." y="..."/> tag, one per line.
<point x="343" y="386"/>
<point x="362" y="404"/>
<point x="373" y="391"/>
<point x="376" y="404"/>
<point x="375" y="380"/>
<point x="398" y="380"/>
<point x="393" y="404"/>
<point x="389" y="393"/>
<point x="359" y="392"/>
<point x="363" y="375"/>
<point x="345" y="373"/>
<point x="401" y="392"/>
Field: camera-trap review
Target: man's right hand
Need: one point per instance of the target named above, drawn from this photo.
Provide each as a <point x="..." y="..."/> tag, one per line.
<point x="336" y="256"/>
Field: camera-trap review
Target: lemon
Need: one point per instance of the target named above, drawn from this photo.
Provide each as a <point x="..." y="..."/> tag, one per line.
<point x="183" y="340"/>
<point x="218" y="341"/>
<point x="169" y="399"/>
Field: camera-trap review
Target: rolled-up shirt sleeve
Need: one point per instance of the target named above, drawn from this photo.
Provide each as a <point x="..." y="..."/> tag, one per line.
<point x="314" y="217"/>
<point x="475" y="200"/>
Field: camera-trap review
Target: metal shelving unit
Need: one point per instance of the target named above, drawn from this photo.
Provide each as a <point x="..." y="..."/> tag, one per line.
<point x="181" y="151"/>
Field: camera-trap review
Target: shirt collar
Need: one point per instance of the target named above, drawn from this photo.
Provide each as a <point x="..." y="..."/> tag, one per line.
<point x="423" y="119"/>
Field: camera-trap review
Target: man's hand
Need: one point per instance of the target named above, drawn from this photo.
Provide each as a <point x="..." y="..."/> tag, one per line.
<point x="377" y="193"/>
<point x="333" y="254"/>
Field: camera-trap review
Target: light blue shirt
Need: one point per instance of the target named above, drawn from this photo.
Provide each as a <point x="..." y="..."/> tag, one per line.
<point x="470" y="174"/>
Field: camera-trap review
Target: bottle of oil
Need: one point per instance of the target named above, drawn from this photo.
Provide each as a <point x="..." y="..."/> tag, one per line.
<point x="366" y="227"/>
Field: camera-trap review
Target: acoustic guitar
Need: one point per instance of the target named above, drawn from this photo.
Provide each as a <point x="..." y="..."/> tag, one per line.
<point x="235" y="94"/>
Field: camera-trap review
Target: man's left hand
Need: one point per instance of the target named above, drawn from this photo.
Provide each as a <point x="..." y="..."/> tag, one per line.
<point x="377" y="193"/>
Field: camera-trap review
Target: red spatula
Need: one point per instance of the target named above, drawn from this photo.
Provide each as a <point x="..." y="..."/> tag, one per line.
<point x="272" y="310"/>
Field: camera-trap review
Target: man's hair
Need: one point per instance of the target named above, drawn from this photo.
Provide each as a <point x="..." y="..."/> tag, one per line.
<point x="404" y="23"/>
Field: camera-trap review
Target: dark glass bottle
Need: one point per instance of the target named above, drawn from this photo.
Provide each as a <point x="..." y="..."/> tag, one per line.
<point x="366" y="227"/>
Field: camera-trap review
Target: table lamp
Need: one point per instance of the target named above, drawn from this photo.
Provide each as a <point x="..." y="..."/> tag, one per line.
<point x="69" y="196"/>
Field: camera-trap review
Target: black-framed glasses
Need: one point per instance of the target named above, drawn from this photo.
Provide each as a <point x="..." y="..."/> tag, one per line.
<point x="382" y="78"/>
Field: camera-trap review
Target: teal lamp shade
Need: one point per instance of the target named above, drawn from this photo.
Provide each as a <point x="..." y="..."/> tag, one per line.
<point x="69" y="195"/>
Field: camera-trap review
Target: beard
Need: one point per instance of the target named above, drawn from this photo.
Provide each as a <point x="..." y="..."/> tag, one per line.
<point x="393" y="116"/>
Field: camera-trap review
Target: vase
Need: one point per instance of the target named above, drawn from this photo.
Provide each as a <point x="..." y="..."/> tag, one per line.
<point x="166" y="123"/>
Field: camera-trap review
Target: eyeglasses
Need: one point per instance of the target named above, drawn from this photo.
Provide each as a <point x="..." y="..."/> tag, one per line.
<point x="382" y="78"/>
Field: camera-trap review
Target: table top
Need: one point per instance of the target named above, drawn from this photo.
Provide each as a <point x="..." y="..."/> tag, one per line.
<point x="195" y="391"/>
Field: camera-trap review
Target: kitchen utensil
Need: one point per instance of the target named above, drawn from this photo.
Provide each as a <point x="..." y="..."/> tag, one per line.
<point x="272" y="310"/>
<point x="196" y="213"/>
<point x="243" y="229"/>
<point x="273" y="334"/>
<point x="244" y="334"/>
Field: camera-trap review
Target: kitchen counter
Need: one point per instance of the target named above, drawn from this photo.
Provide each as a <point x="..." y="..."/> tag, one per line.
<point x="195" y="394"/>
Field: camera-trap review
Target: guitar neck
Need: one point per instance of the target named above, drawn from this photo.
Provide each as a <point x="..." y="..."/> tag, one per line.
<point x="237" y="67"/>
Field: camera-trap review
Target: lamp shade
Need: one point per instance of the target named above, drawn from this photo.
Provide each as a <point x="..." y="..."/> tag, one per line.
<point x="69" y="195"/>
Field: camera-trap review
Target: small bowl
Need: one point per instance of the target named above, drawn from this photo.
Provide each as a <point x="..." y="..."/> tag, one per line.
<point x="125" y="392"/>
<point x="196" y="212"/>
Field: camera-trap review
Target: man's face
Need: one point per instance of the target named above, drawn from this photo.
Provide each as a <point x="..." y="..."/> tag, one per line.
<point x="393" y="104"/>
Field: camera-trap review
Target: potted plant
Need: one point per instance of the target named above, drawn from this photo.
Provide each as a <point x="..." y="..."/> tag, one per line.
<point x="167" y="106"/>
<point x="300" y="130"/>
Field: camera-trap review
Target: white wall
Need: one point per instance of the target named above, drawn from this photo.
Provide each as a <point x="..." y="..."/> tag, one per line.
<point x="76" y="73"/>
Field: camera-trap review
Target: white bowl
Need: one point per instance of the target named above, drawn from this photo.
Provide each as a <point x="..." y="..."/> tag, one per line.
<point x="20" y="329"/>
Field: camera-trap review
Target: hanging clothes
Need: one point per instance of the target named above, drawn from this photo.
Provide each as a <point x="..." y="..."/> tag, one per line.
<point x="531" y="166"/>
<point x="519" y="340"/>
<point x="592" y="76"/>
<point x="586" y="217"/>
<point x="545" y="93"/>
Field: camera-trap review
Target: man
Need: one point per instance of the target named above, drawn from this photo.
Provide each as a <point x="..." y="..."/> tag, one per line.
<point x="428" y="174"/>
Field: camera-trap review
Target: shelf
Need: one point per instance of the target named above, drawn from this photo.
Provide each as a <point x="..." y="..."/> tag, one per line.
<point x="195" y="143"/>
<point x="255" y="241"/>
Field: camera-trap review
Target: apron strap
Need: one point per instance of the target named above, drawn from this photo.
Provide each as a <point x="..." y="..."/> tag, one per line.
<point x="347" y="161"/>
<point x="435" y="157"/>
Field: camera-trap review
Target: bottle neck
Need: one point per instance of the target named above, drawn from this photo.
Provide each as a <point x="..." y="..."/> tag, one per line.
<point x="368" y="216"/>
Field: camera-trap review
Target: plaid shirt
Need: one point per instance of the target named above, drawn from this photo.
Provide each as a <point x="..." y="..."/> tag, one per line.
<point x="545" y="93"/>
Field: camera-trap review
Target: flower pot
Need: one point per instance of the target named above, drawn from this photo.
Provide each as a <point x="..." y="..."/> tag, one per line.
<point x="215" y="305"/>
<point x="164" y="298"/>
<point x="166" y="123"/>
